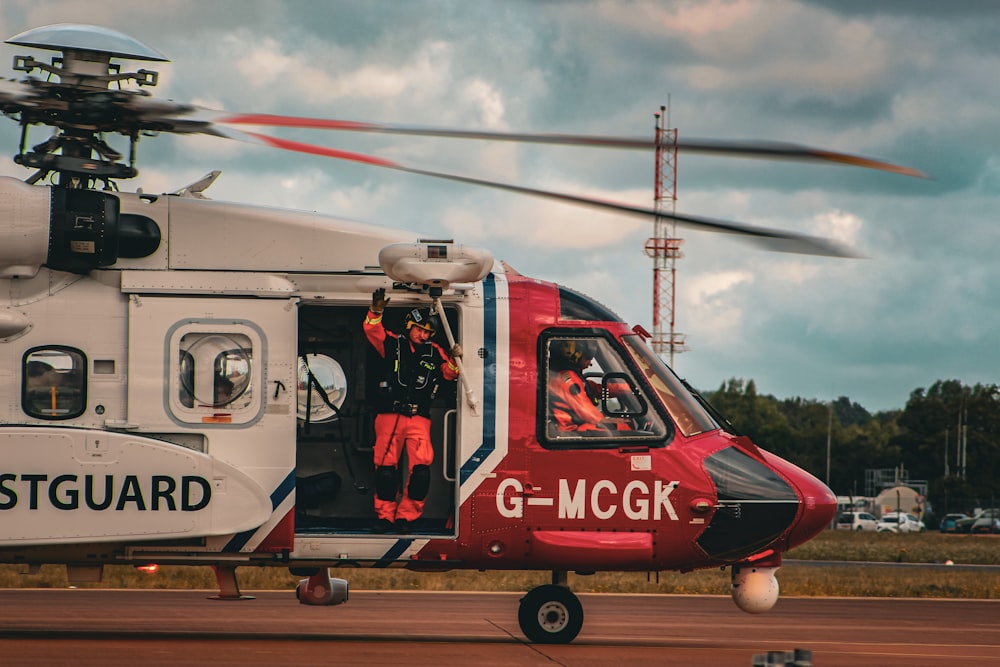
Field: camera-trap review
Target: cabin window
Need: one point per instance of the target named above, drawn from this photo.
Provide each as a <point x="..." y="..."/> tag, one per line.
<point x="54" y="382"/>
<point x="322" y="388"/>
<point x="215" y="370"/>
<point x="591" y="396"/>
<point x="215" y="376"/>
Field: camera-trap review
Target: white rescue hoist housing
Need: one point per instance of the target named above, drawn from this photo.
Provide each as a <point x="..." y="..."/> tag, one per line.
<point x="435" y="263"/>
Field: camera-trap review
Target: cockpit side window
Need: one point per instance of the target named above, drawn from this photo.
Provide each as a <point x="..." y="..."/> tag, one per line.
<point x="591" y="398"/>
<point x="689" y="415"/>
<point x="54" y="382"/>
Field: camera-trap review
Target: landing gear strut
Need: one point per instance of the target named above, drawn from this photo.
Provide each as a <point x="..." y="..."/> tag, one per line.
<point x="552" y="613"/>
<point x="229" y="589"/>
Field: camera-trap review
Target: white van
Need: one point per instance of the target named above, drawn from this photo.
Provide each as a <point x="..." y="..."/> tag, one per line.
<point x="856" y="521"/>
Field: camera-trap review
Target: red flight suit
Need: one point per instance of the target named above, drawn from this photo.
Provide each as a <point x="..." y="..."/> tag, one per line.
<point x="572" y="407"/>
<point x="394" y="430"/>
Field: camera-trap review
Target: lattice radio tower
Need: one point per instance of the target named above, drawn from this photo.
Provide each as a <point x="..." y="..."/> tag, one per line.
<point x="664" y="246"/>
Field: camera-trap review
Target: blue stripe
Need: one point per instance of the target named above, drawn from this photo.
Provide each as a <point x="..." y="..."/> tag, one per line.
<point x="392" y="555"/>
<point x="277" y="497"/>
<point x="489" y="381"/>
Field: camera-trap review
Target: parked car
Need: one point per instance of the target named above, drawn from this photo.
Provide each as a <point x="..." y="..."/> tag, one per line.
<point x="987" y="521"/>
<point x="949" y="522"/>
<point x="965" y="525"/>
<point x="896" y="522"/>
<point x="979" y="523"/>
<point x="856" y="521"/>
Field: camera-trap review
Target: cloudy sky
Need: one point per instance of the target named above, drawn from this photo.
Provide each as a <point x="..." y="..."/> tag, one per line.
<point x="913" y="82"/>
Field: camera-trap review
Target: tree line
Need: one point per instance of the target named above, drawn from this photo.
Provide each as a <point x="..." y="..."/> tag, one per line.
<point x="934" y="423"/>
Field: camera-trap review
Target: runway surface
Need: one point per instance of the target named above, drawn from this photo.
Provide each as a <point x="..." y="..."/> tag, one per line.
<point x="403" y="629"/>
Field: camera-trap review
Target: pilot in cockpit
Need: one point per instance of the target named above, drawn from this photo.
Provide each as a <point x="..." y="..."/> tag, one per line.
<point x="572" y="398"/>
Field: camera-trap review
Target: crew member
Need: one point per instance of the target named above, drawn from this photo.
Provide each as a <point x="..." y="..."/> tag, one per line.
<point x="412" y="370"/>
<point x="571" y="397"/>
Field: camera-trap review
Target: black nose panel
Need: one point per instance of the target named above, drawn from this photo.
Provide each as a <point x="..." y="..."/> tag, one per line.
<point x="755" y="506"/>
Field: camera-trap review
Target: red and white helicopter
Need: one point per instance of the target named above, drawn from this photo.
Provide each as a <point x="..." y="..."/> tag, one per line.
<point x="119" y="311"/>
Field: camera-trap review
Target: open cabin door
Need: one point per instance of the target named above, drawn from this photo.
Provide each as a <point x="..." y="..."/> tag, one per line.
<point x="337" y="377"/>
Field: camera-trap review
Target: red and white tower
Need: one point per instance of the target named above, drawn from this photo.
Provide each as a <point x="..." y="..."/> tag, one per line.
<point x="664" y="246"/>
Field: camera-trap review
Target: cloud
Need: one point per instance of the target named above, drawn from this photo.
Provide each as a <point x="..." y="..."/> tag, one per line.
<point x="715" y="301"/>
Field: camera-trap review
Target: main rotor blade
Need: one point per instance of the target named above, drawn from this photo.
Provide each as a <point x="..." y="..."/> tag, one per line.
<point x="771" y="239"/>
<point x="755" y="149"/>
<point x="14" y="92"/>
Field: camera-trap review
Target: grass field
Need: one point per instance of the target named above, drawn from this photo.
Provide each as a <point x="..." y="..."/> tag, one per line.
<point x="795" y="579"/>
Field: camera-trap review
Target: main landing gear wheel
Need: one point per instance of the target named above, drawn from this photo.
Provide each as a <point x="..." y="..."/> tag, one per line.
<point x="550" y="614"/>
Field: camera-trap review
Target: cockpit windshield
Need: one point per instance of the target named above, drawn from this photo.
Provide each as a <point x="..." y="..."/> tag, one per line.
<point x="688" y="414"/>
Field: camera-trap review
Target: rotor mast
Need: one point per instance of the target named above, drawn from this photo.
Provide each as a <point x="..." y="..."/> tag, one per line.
<point x="664" y="246"/>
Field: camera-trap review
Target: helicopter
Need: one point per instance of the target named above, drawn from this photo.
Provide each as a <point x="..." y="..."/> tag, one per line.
<point x="121" y="311"/>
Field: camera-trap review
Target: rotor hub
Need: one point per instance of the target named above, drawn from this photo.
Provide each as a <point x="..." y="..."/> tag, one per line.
<point x="80" y="103"/>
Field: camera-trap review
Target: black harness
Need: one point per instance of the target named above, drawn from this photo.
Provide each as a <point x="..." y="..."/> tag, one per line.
<point x="410" y="378"/>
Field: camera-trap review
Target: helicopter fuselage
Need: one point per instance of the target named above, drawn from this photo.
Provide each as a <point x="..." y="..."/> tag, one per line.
<point x="121" y="448"/>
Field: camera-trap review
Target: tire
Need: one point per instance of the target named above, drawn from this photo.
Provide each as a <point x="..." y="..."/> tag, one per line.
<point x="550" y="614"/>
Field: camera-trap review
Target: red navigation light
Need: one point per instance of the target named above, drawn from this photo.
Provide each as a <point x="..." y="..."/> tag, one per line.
<point x="758" y="556"/>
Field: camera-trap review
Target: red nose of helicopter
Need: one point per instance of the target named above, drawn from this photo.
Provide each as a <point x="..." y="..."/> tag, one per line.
<point x="818" y="504"/>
